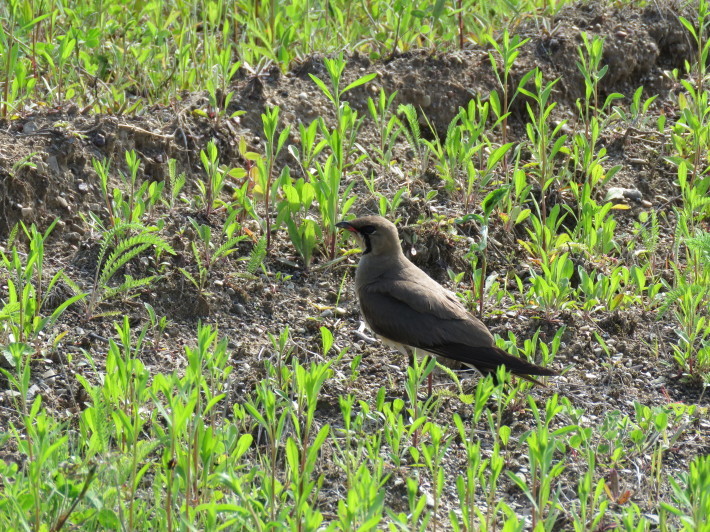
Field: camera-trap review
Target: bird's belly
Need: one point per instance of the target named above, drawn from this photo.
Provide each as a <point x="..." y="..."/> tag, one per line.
<point x="419" y="352"/>
<point x="411" y="350"/>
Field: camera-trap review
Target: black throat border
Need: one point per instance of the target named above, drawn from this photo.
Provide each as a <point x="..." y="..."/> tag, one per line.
<point x="368" y="244"/>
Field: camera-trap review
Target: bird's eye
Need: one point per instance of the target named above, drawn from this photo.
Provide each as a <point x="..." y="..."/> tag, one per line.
<point x="368" y="229"/>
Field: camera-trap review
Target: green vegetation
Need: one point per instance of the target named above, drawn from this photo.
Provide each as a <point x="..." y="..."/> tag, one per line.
<point x="302" y="446"/>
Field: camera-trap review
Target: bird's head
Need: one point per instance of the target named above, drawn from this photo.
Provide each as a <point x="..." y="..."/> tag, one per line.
<point x="376" y="235"/>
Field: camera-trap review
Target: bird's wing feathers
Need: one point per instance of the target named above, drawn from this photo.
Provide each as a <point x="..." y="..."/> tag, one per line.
<point x="487" y="359"/>
<point x="411" y="313"/>
<point x="407" y="312"/>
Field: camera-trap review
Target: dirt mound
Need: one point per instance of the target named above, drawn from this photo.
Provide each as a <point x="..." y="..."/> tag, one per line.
<point x="46" y="170"/>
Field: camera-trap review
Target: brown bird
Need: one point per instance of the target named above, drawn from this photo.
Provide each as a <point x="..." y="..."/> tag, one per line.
<point x="409" y="311"/>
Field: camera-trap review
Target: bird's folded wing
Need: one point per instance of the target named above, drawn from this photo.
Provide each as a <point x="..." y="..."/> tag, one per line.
<point x="414" y="314"/>
<point x="394" y="313"/>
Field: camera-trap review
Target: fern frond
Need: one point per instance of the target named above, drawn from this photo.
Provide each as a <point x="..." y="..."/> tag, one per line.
<point x="227" y="248"/>
<point x="129" y="284"/>
<point x="12" y="236"/>
<point x="75" y="288"/>
<point x="110" y="236"/>
<point x="127" y="249"/>
<point x="257" y="255"/>
<point x="701" y="244"/>
<point x="120" y="256"/>
<point x="190" y="277"/>
<point x="107" y="314"/>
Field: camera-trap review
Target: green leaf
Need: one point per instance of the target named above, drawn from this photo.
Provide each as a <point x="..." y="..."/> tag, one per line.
<point x="361" y="81"/>
<point x="108" y="519"/>
<point x="493" y="199"/>
<point x="326" y="339"/>
<point x="322" y="87"/>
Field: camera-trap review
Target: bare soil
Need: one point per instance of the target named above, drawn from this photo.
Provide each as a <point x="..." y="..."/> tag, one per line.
<point x="642" y="44"/>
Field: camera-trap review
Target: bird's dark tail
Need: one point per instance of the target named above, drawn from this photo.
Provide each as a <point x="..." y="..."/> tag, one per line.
<point x="487" y="360"/>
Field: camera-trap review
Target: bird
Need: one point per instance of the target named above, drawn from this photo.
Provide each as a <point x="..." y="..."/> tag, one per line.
<point x="411" y="312"/>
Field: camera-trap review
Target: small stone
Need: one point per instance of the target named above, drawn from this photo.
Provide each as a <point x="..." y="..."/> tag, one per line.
<point x="33" y="391"/>
<point x="29" y="128"/>
<point x="83" y="187"/>
<point x="26" y="212"/>
<point x="73" y="237"/>
<point x="239" y="309"/>
<point x="327" y="313"/>
<point x="77" y="228"/>
<point x="99" y="140"/>
<point x="62" y="202"/>
<point x="53" y="164"/>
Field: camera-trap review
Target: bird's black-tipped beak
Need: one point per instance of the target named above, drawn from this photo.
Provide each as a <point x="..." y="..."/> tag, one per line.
<point x="347" y="226"/>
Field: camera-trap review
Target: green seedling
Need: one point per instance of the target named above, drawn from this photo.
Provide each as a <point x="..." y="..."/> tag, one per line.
<point x="265" y="167"/>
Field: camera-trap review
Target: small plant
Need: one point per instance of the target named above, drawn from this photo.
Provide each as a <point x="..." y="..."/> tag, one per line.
<point x="692" y="495"/>
<point x="595" y="229"/>
<point x="341" y="141"/>
<point x="542" y="444"/>
<point x="552" y="290"/>
<point x="271" y="412"/>
<point x="433" y="454"/>
<point x="220" y="96"/>
<point x="507" y="52"/>
<point x="208" y="252"/>
<point x="481" y="248"/>
<point x="265" y="167"/>
<point x="547" y="236"/>
<point x="175" y="183"/>
<point x="413" y="135"/>
<point x="310" y="149"/>
<point x="22" y="316"/>
<point x="386" y="124"/>
<point x="515" y="210"/>
<point x="112" y="259"/>
<point x="332" y="203"/>
<point x="304" y="232"/>
<point x="637" y="114"/>
<point x="138" y="199"/>
<point x="546" y="141"/>
<point x="211" y="187"/>
<point x="606" y="290"/>
<point x="303" y="451"/>
<point x="386" y="206"/>
<point x="417" y="373"/>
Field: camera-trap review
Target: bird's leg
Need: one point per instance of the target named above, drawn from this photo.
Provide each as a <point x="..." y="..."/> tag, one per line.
<point x="429" y="380"/>
<point x="414" y="397"/>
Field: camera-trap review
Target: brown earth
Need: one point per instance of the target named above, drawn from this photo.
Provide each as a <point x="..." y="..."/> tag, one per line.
<point x="641" y="46"/>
